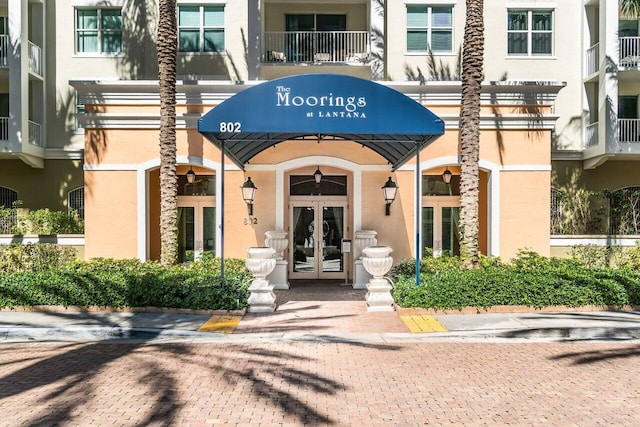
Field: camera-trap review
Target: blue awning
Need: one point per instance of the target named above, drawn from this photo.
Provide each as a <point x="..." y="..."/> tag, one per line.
<point x="321" y="106"/>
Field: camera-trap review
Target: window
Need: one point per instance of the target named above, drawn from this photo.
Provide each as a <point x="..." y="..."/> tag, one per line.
<point x="429" y="27"/>
<point x="99" y="30"/>
<point x="201" y="28"/>
<point x="529" y="32"/>
<point x="556" y="211"/>
<point x="75" y="199"/>
<point x="625" y="211"/>
<point x="8" y="217"/>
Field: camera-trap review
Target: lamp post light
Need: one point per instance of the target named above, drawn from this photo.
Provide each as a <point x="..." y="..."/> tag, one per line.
<point x="389" y="189"/>
<point x="248" y="193"/>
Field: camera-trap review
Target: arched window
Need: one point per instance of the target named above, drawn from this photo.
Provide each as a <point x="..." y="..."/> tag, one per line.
<point x="8" y="218"/>
<point x="75" y="200"/>
<point x="556" y="211"/>
<point x="625" y="211"/>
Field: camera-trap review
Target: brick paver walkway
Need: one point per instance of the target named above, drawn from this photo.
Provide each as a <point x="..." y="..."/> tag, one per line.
<point x="350" y="384"/>
<point x="321" y="307"/>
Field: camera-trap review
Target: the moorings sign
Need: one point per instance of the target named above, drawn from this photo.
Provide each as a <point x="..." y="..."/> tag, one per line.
<point x="322" y="105"/>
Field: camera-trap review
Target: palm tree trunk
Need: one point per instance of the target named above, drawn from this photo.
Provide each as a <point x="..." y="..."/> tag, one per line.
<point x="469" y="139"/>
<point x="167" y="51"/>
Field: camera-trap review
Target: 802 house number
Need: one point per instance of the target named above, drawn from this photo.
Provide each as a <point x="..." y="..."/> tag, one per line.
<point x="230" y="126"/>
<point x="250" y="221"/>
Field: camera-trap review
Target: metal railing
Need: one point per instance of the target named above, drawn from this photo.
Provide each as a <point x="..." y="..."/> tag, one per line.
<point x="4" y="128"/>
<point x="35" y="134"/>
<point x="316" y="46"/>
<point x="591" y="135"/>
<point x="629" y="48"/>
<point x="4" y="50"/>
<point x="629" y="130"/>
<point x="592" y="64"/>
<point x="35" y="59"/>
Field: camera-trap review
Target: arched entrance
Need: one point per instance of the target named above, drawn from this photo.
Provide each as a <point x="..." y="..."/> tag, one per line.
<point x="319" y="106"/>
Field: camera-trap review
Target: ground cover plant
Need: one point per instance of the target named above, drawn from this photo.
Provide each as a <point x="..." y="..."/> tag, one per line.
<point x="126" y="283"/>
<point x="528" y="280"/>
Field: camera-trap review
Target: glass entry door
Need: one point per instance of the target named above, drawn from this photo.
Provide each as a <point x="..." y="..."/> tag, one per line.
<point x="196" y="228"/>
<point x="316" y="232"/>
<point x="440" y="226"/>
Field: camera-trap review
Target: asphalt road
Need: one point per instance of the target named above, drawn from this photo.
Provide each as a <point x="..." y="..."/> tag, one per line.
<point x="129" y="383"/>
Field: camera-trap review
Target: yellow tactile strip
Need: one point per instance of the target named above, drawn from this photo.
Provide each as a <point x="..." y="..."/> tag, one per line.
<point x="221" y="324"/>
<point x="423" y="323"/>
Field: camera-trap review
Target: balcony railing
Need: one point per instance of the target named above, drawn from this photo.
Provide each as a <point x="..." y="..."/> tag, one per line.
<point x="35" y="59"/>
<point x="35" y="134"/>
<point x="316" y="46"/>
<point x="591" y="135"/>
<point x="593" y="60"/>
<point x="629" y="130"/>
<point x="4" y="49"/>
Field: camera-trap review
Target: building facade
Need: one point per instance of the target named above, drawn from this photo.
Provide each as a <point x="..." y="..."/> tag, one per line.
<point x="559" y="118"/>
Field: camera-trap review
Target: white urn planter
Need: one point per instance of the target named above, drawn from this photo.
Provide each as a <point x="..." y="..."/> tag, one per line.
<point x="260" y="262"/>
<point x="363" y="239"/>
<point x="277" y="240"/>
<point x="377" y="261"/>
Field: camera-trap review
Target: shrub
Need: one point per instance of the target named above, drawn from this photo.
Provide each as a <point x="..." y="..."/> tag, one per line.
<point x="129" y="283"/>
<point x="530" y="280"/>
<point x="17" y="257"/>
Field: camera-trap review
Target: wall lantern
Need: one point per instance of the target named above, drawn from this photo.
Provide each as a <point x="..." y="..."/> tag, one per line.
<point x="248" y="193"/>
<point x="446" y="176"/>
<point x="389" y="189"/>
<point x="191" y="176"/>
<point x="317" y="175"/>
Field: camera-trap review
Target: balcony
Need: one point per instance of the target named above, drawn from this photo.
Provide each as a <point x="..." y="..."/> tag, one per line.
<point x="35" y="59"/>
<point x="592" y="65"/>
<point x="629" y="48"/>
<point x="35" y="55"/>
<point x="35" y="134"/>
<point x="591" y="135"/>
<point x="316" y="47"/>
<point x="4" y="128"/>
<point x="629" y="131"/>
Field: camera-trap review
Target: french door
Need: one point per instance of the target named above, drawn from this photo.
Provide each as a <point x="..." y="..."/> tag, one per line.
<point x="316" y="231"/>
<point x="440" y="225"/>
<point x="196" y="228"/>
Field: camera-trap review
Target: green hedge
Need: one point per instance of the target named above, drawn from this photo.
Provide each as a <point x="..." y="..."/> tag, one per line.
<point x="130" y="283"/>
<point x="530" y="280"/>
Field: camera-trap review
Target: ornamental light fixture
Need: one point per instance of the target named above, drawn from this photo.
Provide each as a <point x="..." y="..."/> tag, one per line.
<point x="248" y="193"/>
<point x="317" y="176"/>
<point x="389" y="189"/>
<point x="191" y="176"/>
<point x="446" y="176"/>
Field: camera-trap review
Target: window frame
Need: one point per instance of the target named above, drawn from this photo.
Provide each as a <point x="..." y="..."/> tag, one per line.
<point x="530" y="32"/>
<point x="202" y="29"/>
<point x="429" y="27"/>
<point x="98" y="30"/>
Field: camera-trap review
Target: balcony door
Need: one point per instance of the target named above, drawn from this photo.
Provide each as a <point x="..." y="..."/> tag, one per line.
<point x="196" y="228"/>
<point x="628" y="123"/>
<point x="317" y="226"/>
<point x="440" y="225"/>
<point x="312" y="36"/>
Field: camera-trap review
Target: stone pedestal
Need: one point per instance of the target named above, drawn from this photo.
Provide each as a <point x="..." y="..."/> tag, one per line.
<point x="277" y="239"/>
<point x="260" y="263"/>
<point x="278" y="278"/>
<point x="377" y="262"/>
<point x="363" y="239"/>
<point x="360" y="275"/>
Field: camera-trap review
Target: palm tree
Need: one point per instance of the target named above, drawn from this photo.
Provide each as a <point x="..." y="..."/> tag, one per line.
<point x="469" y="137"/>
<point x="629" y="8"/>
<point x="167" y="46"/>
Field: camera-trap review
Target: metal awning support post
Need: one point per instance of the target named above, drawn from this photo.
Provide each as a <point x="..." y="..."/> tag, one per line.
<point x="222" y="209"/>
<point x="417" y="214"/>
